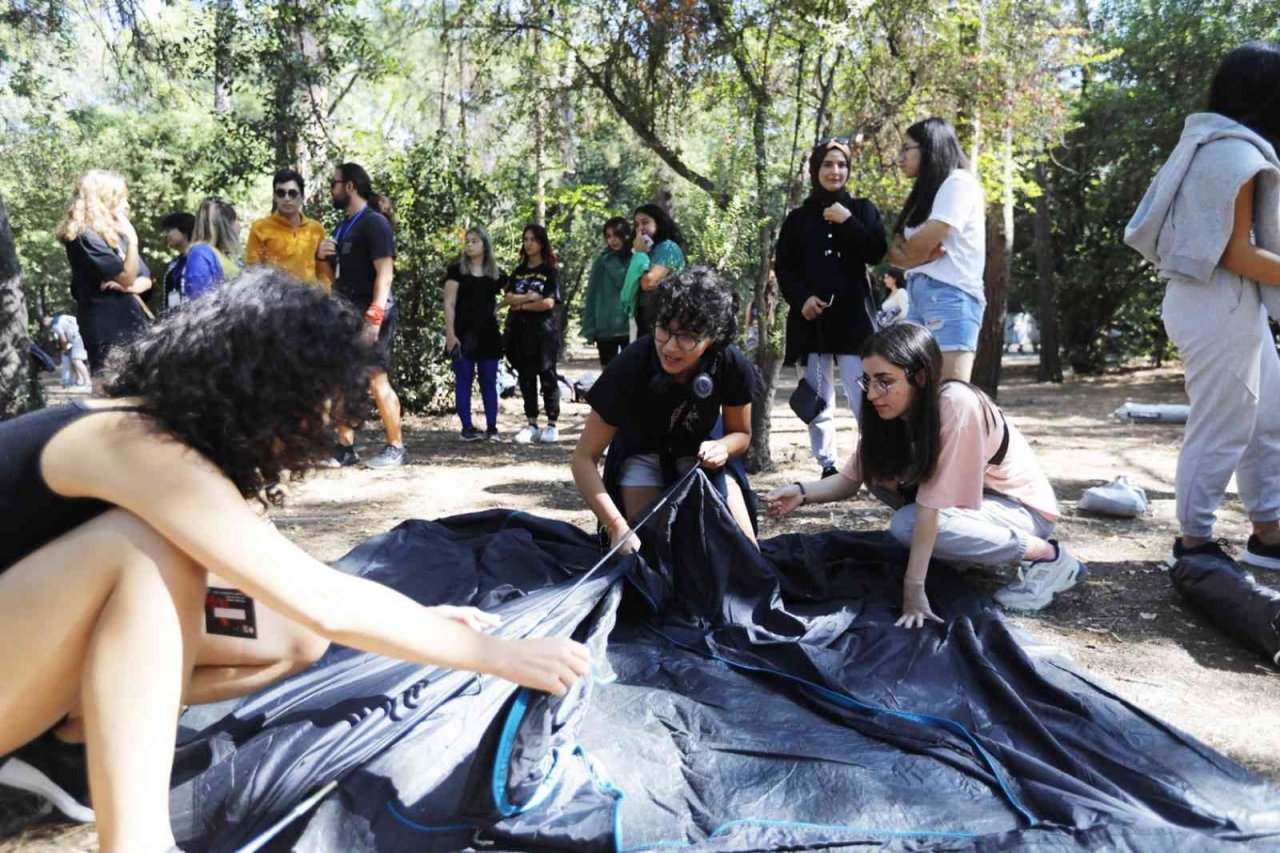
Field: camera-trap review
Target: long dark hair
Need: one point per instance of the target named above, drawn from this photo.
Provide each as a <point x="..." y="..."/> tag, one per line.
<point x="1246" y="87"/>
<point x="666" y="226"/>
<point x="940" y="155"/>
<point x="622" y="228"/>
<point x="907" y="448"/>
<point x="540" y="234"/>
<point x="243" y="375"/>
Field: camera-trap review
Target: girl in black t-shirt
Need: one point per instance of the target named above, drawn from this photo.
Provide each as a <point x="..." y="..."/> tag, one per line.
<point x="102" y="249"/>
<point x="657" y="406"/>
<point x="531" y="340"/>
<point x="471" y="336"/>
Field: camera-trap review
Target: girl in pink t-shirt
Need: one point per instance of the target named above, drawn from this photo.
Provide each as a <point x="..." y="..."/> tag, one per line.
<point x="964" y="481"/>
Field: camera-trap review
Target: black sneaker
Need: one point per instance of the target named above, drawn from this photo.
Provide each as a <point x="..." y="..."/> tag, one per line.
<point x="471" y="434"/>
<point x="390" y="457"/>
<point x="1260" y="554"/>
<point x="491" y="434"/>
<point x="830" y="471"/>
<point x="52" y="769"/>
<point x="1220" y="548"/>
<point x="343" y="456"/>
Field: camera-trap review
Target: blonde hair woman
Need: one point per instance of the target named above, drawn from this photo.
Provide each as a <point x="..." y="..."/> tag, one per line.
<point x="471" y="336"/>
<point x="102" y="249"/>
<point x="215" y="244"/>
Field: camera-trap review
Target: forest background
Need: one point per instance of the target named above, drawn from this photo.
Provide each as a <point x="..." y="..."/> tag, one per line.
<point x="504" y="112"/>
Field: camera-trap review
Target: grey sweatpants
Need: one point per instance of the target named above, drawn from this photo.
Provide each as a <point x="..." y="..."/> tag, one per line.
<point x="995" y="535"/>
<point x="1233" y="383"/>
<point x="819" y="373"/>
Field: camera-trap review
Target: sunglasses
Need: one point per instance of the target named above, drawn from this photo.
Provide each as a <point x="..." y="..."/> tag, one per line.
<point x="281" y="192"/>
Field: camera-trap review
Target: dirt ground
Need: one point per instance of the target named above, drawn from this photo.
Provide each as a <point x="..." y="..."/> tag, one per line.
<point x="1125" y="626"/>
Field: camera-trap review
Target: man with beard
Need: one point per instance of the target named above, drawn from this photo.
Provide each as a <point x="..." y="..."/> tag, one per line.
<point x="360" y="258"/>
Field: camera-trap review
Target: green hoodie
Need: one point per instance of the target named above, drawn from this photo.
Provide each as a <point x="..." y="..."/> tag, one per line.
<point x="603" y="315"/>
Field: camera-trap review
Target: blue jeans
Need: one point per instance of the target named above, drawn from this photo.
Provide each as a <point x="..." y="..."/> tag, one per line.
<point x="953" y="316"/>
<point x="464" y="371"/>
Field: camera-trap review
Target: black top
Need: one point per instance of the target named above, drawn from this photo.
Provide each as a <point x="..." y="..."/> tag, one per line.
<point x="475" y="315"/>
<point x="531" y="340"/>
<point x="105" y="316"/>
<point x="655" y="413"/>
<point x="820" y="258"/>
<point x="363" y="239"/>
<point x="32" y="514"/>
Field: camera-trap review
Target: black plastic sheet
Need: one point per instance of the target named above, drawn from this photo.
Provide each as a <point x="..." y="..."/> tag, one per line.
<point x="1232" y="600"/>
<point x="740" y="700"/>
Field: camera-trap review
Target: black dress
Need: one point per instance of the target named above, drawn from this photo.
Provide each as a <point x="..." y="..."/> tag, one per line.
<point x="475" y="314"/>
<point x="106" y="317"/>
<point x="823" y="259"/>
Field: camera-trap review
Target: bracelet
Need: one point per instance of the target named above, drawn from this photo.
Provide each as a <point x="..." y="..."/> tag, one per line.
<point x="803" y="495"/>
<point x="375" y="314"/>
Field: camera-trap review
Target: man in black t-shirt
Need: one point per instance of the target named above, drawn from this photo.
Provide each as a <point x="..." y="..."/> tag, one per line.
<point x="361" y="260"/>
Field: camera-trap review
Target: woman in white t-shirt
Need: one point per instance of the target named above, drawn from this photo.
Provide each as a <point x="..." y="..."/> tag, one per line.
<point x="940" y="240"/>
<point x="964" y="482"/>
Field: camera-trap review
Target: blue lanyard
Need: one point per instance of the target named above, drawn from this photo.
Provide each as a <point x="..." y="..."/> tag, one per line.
<point x="344" y="227"/>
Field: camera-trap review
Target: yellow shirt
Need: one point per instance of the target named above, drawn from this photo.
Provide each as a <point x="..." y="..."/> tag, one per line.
<point x="275" y="241"/>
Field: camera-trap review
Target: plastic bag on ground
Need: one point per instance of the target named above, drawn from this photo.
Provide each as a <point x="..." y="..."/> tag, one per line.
<point x="1116" y="498"/>
<point x="1156" y="413"/>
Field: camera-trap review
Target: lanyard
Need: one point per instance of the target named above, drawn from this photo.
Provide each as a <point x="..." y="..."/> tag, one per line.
<point x="344" y="227"/>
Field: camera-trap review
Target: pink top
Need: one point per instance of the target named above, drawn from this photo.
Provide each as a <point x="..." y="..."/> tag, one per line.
<point x="962" y="473"/>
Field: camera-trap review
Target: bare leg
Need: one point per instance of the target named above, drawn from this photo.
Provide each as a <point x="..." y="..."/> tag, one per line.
<point x="635" y="499"/>
<point x="81" y="368"/>
<point x="957" y="365"/>
<point x="228" y="667"/>
<point x="111" y="611"/>
<point x="738" y="509"/>
<point x="388" y="406"/>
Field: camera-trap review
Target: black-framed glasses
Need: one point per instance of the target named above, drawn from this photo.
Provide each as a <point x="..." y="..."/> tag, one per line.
<point x="881" y="386"/>
<point x="687" y="341"/>
<point x="281" y="192"/>
<point x="336" y="181"/>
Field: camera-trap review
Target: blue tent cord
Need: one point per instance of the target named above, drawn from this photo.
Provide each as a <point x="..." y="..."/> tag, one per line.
<point x="850" y="702"/>
<point x="423" y="827"/>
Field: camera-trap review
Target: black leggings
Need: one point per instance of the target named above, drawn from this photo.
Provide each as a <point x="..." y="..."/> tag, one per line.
<point x="529" y="379"/>
<point x="609" y="348"/>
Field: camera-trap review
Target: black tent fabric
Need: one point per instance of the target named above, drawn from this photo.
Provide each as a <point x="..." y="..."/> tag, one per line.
<point x="1232" y="600"/>
<point x="739" y="700"/>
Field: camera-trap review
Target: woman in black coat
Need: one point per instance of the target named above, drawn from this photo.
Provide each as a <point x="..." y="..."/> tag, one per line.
<point x="823" y="252"/>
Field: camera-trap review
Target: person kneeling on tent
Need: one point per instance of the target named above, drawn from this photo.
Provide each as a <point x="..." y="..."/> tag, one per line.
<point x="965" y="484"/>
<point x="679" y="396"/>
<point x="118" y="514"/>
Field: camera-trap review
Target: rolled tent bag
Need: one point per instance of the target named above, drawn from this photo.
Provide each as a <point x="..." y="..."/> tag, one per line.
<point x="1232" y="600"/>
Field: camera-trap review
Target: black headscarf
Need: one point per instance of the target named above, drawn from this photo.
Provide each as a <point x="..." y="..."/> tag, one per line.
<point x="818" y="195"/>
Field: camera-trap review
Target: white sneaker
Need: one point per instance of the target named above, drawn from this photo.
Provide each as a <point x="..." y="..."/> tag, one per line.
<point x="527" y="435"/>
<point x="550" y="435"/>
<point x="1040" y="580"/>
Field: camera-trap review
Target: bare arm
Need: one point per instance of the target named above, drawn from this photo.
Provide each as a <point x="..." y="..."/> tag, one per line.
<point x="450" y="307"/>
<point x="651" y="279"/>
<point x="130" y="272"/>
<point x="1242" y="257"/>
<point x="189" y="502"/>
<point x="915" y="605"/>
<point x="385" y="270"/>
<point x="924" y="246"/>
<point x="585" y="464"/>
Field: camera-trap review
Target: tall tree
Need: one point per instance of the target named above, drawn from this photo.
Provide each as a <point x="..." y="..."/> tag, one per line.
<point x="13" y="324"/>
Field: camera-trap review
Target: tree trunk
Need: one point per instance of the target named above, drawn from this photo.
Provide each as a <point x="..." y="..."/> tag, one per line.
<point x="986" y="366"/>
<point x="462" y="94"/>
<point x="13" y="325"/>
<point x="1050" y="369"/>
<point x="759" y="456"/>
<point x="313" y="151"/>
<point x="444" y="66"/>
<point x="223" y="31"/>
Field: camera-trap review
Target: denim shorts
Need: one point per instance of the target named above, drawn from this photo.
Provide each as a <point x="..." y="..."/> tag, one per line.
<point x="954" y="317"/>
<point x="644" y="470"/>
